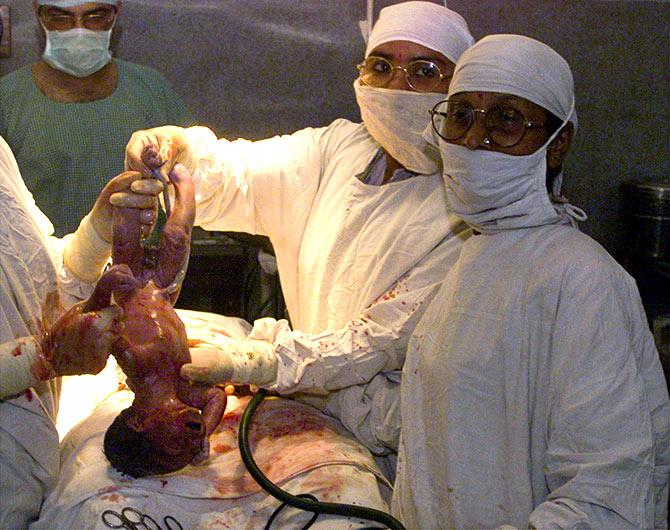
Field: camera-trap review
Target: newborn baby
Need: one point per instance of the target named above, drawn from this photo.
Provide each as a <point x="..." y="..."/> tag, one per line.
<point x="169" y="422"/>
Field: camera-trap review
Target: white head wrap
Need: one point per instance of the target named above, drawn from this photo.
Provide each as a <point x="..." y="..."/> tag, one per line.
<point x="494" y="191"/>
<point x="425" y="23"/>
<point x="72" y="3"/>
<point x="520" y="66"/>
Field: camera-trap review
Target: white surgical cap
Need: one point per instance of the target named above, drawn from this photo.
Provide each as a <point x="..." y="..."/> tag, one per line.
<point x="72" y="3"/>
<point x="520" y="66"/>
<point x="425" y="23"/>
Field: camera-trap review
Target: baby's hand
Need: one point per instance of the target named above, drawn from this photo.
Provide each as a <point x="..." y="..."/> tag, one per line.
<point x="203" y="455"/>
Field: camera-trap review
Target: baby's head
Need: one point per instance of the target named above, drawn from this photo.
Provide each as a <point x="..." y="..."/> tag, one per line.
<point x="156" y="441"/>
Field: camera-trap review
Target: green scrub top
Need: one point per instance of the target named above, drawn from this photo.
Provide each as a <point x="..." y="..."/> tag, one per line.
<point x="68" y="151"/>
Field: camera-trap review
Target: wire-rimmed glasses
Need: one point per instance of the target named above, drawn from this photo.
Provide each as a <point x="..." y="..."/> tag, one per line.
<point x="505" y="125"/>
<point x="420" y="75"/>
<point x="98" y="19"/>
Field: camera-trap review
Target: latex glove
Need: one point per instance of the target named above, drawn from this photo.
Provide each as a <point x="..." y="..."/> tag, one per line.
<point x="89" y="248"/>
<point x="246" y="362"/>
<point x="80" y="342"/>
<point x="170" y="145"/>
<point x="128" y="190"/>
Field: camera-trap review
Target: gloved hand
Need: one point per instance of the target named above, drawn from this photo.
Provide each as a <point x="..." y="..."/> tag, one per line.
<point x="246" y="361"/>
<point x="79" y="343"/>
<point x="81" y="340"/>
<point x="88" y="249"/>
<point x="170" y="144"/>
<point x="128" y="190"/>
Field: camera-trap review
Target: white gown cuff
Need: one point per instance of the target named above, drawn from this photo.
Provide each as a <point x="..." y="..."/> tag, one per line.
<point x="86" y="253"/>
<point x="18" y="362"/>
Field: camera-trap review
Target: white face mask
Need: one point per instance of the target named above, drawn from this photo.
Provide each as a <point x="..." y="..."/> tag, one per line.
<point x="397" y="119"/>
<point x="79" y="52"/>
<point x="494" y="191"/>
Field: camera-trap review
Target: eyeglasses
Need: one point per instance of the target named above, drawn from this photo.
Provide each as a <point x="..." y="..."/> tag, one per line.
<point x="99" y="19"/>
<point x="505" y="125"/>
<point x="421" y="76"/>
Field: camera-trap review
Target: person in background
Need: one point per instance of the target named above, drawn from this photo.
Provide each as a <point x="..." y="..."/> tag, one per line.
<point x="38" y="342"/>
<point x="358" y="220"/>
<point x="68" y="117"/>
<point x="532" y="393"/>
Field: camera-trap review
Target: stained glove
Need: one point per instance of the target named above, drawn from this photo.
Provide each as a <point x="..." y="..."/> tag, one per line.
<point x="78" y="343"/>
<point x="246" y="361"/>
<point x="170" y="144"/>
<point x="82" y="339"/>
<point x="89" y="248"/>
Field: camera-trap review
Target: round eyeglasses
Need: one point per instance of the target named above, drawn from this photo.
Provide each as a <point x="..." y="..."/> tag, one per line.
<point x="421" y="75"/>
<point x="99" y="19"/>
<point x="505" y="125"/>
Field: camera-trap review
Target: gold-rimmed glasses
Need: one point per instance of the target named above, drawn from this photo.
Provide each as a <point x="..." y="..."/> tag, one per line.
<point x="420" y="75"/>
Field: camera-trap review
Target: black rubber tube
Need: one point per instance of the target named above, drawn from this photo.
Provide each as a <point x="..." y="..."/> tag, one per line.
<point x="347" y="510"/>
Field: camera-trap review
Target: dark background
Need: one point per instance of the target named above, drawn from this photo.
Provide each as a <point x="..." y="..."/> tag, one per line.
<point x="255" y="68"/>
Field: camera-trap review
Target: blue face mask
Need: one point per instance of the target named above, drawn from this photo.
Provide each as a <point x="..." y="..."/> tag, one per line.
<point x="79" y="52"/>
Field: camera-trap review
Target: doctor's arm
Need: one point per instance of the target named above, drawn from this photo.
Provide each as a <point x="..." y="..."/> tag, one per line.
<point x="265" y="187"/>
<point x="80" y="257"/>
<point x="356" y="367"/>
<point x="608" y="425"/>
<point x="79" y="342"/>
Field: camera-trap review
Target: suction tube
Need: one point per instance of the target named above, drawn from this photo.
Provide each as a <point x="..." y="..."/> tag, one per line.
<point x="346" y="510"/>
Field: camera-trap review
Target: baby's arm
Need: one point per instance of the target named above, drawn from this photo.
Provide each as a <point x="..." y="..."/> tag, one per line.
<point x="211" y="400"/>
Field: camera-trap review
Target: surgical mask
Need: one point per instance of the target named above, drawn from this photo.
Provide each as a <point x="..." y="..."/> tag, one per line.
<point x="79" y="52"/>
<point x="397" y="119"/>
<point x="494" y="191"/>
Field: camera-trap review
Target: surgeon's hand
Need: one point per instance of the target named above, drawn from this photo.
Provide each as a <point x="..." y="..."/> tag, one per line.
<point x="170" y="147"/>
<point x="80" y="342"/>
<point x="87" y="250"/>
<point x="244" y="362"/>
<point x="128" y="190"/>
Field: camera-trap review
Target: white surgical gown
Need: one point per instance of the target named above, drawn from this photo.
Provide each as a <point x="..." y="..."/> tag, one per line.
<point x="358" y="263"/>
<point x="30" y="269"/>
<point x="533" y="394"/>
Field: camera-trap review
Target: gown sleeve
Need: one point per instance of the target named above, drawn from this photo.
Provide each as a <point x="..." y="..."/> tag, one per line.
<point x="599" y="466"/>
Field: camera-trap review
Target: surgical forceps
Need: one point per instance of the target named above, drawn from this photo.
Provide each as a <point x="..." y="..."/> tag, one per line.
<point x="132" y="519"/>
<point x="157" y="174"/>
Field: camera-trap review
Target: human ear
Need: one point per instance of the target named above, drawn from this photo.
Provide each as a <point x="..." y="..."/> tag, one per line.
<point x="558" y="149"/>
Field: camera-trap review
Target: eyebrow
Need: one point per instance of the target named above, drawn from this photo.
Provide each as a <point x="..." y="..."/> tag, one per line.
<point x="501" y="98"/>
<point x="58" y="10"/>
<point x="430" y="58"/>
